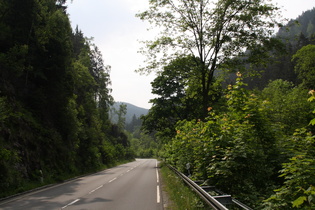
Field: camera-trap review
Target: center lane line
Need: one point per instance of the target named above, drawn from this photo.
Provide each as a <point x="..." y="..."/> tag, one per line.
<point x="92" y="191"/>
<point x="73" y="202"/>
<point x="112" y="180"/>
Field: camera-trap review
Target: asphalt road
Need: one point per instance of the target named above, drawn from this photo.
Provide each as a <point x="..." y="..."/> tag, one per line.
<point x="131" y="186"/>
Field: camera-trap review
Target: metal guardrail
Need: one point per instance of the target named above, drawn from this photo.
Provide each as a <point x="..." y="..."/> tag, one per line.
<point x="215" y="202"/>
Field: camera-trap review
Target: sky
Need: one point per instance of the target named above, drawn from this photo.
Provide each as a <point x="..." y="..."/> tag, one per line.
<point x="117" y="33"/>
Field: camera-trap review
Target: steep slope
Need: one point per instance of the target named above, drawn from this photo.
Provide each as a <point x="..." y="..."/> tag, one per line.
<point x="295" y="34"/>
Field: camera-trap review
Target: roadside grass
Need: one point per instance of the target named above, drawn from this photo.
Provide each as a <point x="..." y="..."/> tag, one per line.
<point x="180" y="195"/>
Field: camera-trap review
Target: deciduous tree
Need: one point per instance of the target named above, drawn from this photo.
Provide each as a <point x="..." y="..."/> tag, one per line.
<point x="211" y="32"/>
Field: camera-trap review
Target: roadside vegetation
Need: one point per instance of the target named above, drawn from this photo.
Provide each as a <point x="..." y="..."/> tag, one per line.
<point x="234" y="99"/>
<point x="180" y="195"/>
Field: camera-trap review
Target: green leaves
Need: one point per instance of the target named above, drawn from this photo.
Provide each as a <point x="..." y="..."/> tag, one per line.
<point x="232" y="148"/>
<point x="241" y="148"/>
<point x="214" y="33"/>
<point x="177" y="97"/>
<point x="53" y="92"/>
<point x="298" y="202"/>
<point x="297" y="191"/>
<point x="305" y="65"/>
<point x="287" y="105"/>
<point x="310" y="99"/>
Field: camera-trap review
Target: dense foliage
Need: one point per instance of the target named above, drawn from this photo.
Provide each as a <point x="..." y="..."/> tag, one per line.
<point x="54" y="98"/>
<point x="241" y="149"/>
<point x="178" y="97"/>
<point x="256" y="144"/>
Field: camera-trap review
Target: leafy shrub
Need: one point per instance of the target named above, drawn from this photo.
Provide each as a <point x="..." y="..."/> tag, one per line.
<point x="236" y="150"/>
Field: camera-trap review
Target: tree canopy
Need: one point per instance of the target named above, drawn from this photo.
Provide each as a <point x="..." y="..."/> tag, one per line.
<point x="212" y="32"/>
<point x="305" y="65"/>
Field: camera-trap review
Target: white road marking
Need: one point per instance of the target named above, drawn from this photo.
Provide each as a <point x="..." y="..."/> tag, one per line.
<point x="73" y="202"/>
<point x="95" y="189"/>
<point x="157" y="176"/>
<point x="112" y="180"/>
<point x="158" y="199"/>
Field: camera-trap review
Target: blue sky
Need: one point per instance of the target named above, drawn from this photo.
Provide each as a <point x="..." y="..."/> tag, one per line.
<point x="117" y="32"/>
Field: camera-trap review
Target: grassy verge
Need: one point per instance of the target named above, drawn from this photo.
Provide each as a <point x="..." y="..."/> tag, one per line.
<point x="180" y="195"/>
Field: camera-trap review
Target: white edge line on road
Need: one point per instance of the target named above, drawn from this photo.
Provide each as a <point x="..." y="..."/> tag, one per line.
<point x="157" y="173"/>
<point x="73" y="202"/>
<point x="158" y="199"/>
<point x="157" y="176"/>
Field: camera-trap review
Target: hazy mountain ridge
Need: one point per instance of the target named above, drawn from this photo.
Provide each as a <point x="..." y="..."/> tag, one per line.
<point x="131" y="111"/>
<point x="295" y="34"/>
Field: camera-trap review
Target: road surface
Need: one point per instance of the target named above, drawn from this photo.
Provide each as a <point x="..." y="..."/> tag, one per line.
<point x="132" y="186"/>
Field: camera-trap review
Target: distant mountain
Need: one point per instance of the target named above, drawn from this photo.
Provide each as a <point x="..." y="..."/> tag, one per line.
<point x="304" y="24"/>
<point x="295" y="34"/>
<point x="131" y="111"/>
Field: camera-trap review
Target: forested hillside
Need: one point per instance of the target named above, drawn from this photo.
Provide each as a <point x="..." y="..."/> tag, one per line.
<point x="295" y="34"/>
<point x="131" y="111"/>
<point x="54" y="98"/>
<point x="254" y="141"/>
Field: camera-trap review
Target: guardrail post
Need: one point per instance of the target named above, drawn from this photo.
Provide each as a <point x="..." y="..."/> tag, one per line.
<point x="224" y="199"/>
